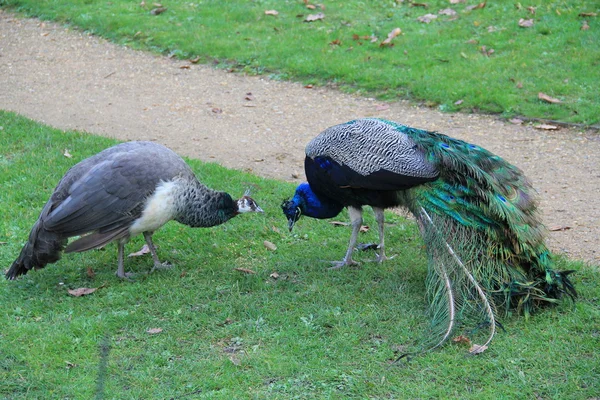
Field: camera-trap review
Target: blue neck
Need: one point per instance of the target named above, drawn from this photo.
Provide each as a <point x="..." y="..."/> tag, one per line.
<point x="314" y="206"/>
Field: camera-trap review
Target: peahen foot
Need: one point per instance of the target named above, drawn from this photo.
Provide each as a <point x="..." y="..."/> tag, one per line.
<point x="343" y="263"/>
<point x="159" y="265"/>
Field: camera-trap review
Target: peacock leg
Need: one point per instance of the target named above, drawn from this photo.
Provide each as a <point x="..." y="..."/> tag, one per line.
<point x="121" y="267"/>
<point x="157" y="263"/>
<point x="356" y="222"/>
<point x="380" y="218"/>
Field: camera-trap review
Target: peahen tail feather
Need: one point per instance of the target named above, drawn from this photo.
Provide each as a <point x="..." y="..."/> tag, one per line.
<point x="484" y="239"/>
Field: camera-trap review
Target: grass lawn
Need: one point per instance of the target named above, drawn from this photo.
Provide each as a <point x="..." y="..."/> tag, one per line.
<point x="497" y="58"/>
<point x="293" y="329"/>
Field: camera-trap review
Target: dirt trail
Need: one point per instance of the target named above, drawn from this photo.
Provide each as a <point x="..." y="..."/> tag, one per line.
<point x="72" y="80"/>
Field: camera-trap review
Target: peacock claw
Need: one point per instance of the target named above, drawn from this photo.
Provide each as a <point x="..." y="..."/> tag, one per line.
<point x="382" y="258"/>
<point x="343" y="263"/>
<point x="127" y="276"/>
<point x="159" y="266"/>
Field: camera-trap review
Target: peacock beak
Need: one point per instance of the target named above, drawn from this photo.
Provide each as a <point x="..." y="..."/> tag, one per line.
<point x="291" y="223"/>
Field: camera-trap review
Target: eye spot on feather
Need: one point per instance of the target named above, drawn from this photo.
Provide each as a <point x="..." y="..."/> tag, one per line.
<point x="445" y="145"/>
<point x="502" y="198"/>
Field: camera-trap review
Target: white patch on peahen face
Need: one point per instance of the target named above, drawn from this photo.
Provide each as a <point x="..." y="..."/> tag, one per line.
<point x="158" y="210"/>
<point x="247" y="204"/>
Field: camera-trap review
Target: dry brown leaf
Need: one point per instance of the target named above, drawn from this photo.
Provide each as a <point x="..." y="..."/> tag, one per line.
<point x="477" y="349"/>
<point x="314" y="17"/>
<point x="548" y="99"/>
<point x="424" y="5"/>
<point x="154" y="331"/>
<point x="364" y="228"/>
<point x="456" y="1"/>
<point x="338" y="223"/>
<point x="388" y="41"/>
<point x="585" y="26"/>
<point x="81" y="291"/>
<point x="461" y="339"/>
<point x="531" y="10"/>
<point x="274" y="275"/>
<point x="516" y="121"/>
<point x="184" y="67"/>
<point x="546" y="127"/>
<point x="271" y="12"/>
<point x="67" y="154"/>
<point x="525" y="23"/>
<point x="458" y="102"/>
<point x="158" y="10"/>
<point x="245" y="270"/>
<point x="249" y="96"/>
<point x="217" y="110"/>
<point x="475" y="6"/>
<point x="447" y="11"/>
<point x="195" y="59"/>
<point x="588" y="14"/>
<point x="335" y="42"/>
<point x="311" y="6"/>
<point x="309" y="86"/>
<point x="427" y="18"/>
<point x="560" y="228"/>
<point x="269" y="245"/>
<point x="90" y="272"/>
<point x="519" y="85"/>
<point x="144" y="250"/>
<point x="487" y="52"/>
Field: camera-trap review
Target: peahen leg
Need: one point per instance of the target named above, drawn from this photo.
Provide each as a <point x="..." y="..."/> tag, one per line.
<point x="157" y="263"/>
<point x="121" y="267"/>
<point x="379" y="216"/>
<point x="356" y="222"/>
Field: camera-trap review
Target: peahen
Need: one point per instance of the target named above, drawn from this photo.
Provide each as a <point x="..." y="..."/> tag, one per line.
<point x="125" y="190"/>
<point x="476" y="212"/>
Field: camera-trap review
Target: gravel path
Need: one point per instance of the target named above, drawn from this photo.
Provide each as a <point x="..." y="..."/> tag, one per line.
<point x="72" y="80"/>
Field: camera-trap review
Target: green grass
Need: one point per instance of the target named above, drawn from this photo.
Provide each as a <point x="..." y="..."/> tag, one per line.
<point x="440" y="63"/>
<point x="310" y="333"/>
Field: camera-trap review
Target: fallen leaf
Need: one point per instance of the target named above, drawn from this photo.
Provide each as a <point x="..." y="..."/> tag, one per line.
<point x="447" y="11"/>
<point x="427" y="18"/>
<point x="217" y="110"/>
<point x="154" y="331"/>
<point x="295" y="175"/>
<point x="525" y="23"/>
<point x="1" y="243"/>
<point x="70" y="364"/>
<point x="309" y="86"/>
<point x="249" y="96"/>
<point x="269" y="245"/>
<point x="245" y="270"/>
<point x="477" y="349"/>
<point x="364" y="228"/>
<point x="487" y="52"/>
<point x="546" y="127"/>
<point x="158" y="10"/>
<point x="195" y="59"/>
<point x="456" y="1"/>
<point x="424" y="5"/>
<point x="227" y="321"/>
<point x="516" y="121"/>
<point x="274" y="275"/>
<point x="335" y="42"/>
<point x="475" y="6"/>
<point x="531" y="10"/>
<point x="387" y="42"/>
<point x="560" y="228"/>
<point x="311" y="6"/>
<point x="338" y="223"/>
<point x="235" y="360"/>
<point x="314" y="17"/>
<point x="90" y="272"/>
<point x="144" y="250"/>
<point x="81" y="291"/>
<point x="585" y="26"/>
<point x="461" y="339"/>
<point x="548" y="99"/>
<point x="271" y="12"/>
<point x="588" y="14"/>
<point x="67" y="154"/>
<point x="184" y="67"/>
<point x="458" y="102"/>
<point x="519" y="85"/>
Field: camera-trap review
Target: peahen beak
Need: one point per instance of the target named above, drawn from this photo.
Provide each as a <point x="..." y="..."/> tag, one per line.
<point x="291" y="223"/>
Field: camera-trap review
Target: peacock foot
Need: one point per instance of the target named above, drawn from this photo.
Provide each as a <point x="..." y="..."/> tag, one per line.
<point x="126" y="276"/>
<point x="164" y="265"/>
<point x="382" y="257"/>
<point x="343" y="263"/>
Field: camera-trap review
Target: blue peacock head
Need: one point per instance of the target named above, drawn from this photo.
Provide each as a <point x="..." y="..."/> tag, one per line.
<point x="306" y="202"/>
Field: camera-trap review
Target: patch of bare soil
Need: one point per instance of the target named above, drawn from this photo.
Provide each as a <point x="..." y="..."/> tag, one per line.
<point x="72" y="80"/>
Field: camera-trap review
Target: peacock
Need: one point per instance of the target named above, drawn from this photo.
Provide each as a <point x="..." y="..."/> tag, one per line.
<point x="476" y="212"/>
<point x="125" y="190"/>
